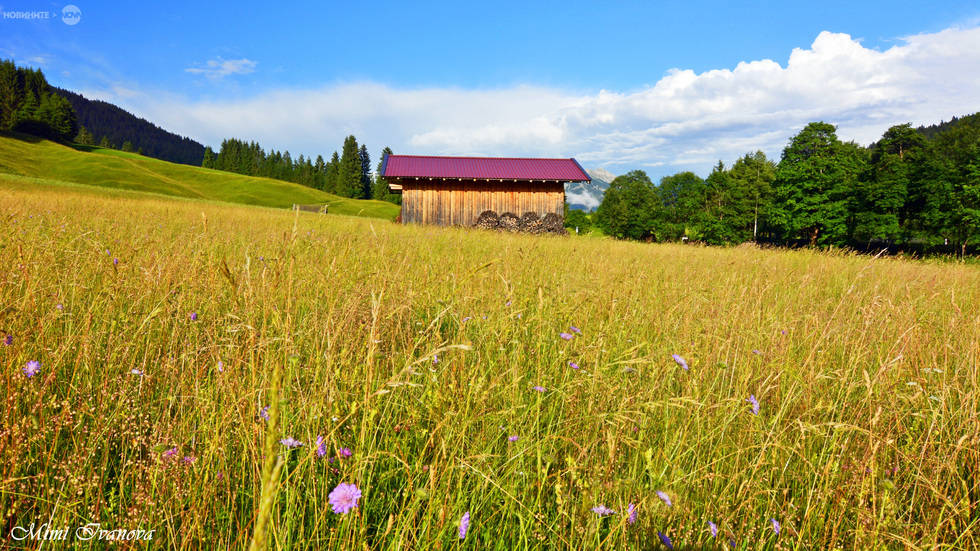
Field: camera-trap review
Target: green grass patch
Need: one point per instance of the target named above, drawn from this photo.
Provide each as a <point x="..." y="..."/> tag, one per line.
<point x="25" y="155"/>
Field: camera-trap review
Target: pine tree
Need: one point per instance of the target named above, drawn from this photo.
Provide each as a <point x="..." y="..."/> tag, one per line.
<point x="381" y="191"/>
<point x="349" y="171"/>
<point x="104" y="142"/>
<point x="366" y="191"/>
<point x="84" y="137"/>
<point x="60" y="116"/>
<point x="319" y="173"/>
<point x="331" y="174"/>
<point x="26" y="111"/>
<point x="208" y="161"/>
<point x="10" y="93"/>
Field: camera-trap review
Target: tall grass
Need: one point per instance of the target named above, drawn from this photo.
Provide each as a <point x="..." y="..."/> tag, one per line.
<point x="158" y="325"/>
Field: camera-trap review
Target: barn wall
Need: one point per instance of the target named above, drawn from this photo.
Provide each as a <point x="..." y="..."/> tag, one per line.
<point x="454" y="202"/>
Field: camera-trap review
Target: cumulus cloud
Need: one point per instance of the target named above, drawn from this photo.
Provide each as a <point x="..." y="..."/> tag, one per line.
<point x="583" y="199"/>
<point x="683" y="121"/>
<point x="216" y="69"/>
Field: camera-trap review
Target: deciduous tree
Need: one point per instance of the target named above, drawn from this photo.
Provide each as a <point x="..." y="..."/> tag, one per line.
<point x="814" y="182"/>
<point x="626" y="209"/>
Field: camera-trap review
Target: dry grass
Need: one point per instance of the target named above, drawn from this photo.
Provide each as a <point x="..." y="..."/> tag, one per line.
<point x="865" y="371"/>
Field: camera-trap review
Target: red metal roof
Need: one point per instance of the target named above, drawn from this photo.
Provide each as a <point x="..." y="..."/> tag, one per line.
<point x="482" y="168"/>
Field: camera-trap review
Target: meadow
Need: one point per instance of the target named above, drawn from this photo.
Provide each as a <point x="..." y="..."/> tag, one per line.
<point x="29" y="157"/>
<point x="817" y="400"/>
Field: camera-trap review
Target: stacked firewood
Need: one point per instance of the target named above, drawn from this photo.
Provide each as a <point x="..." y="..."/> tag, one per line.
<point x="510" y="222"/>
<point x="530" y="222"/>
<point x="488" y="220"/>
<point x="552" y="223"/>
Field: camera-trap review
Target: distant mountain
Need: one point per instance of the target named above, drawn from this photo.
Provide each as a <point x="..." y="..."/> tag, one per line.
<point x="588" y="196"/>
<point x="120" y="126"/>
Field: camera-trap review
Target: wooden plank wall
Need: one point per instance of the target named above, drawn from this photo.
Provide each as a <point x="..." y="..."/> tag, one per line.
<point x="453" y="202"/>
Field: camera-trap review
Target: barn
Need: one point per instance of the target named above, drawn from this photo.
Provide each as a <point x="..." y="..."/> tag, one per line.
<point x="453" y="191"/>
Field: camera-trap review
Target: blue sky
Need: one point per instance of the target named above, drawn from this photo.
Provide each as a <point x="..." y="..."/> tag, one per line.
<point x="623" y="85"/>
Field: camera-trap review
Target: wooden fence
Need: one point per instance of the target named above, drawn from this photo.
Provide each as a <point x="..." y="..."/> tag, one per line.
<point x="321" y="209"/>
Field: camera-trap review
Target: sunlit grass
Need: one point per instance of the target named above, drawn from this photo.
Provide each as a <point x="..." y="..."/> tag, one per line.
<point x="54" y="164"/>
<point x="159" y="323"/>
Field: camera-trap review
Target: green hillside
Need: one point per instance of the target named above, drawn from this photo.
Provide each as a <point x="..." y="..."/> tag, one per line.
<point x="25" y="155"/>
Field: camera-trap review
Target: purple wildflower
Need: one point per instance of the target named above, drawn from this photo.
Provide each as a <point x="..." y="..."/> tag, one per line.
<point x="136" y="372"/>
<point x="435" y="358"/>
<point x="573" y="365"/>
<point x="115" y="261"/>
<point x="189" y="459"/>
<point x="540" y="389"/>
<point x="193" y="316"/>
<point x="602" y="510"/>
<point x="565" y="336"/>
<point x="513" y="438"/>
<point x="464" y="525"/>
<point x="32" y="368"/>
<point x="680" y="361"/>
<point x="344" y="452"/>
<point x="755" y="404"/>
<point x="60" y="307"/>
<point x="170" y="453"/>
<point x="508" y="304"/>
<point x="264" y="413"/>
<point x="631" y="509"/>
<point x="714" y="529"/>
<point x="665" y="497"/>
<point x="466" y="319"/>
<point x="775" y="525"/>
<point x="291" y="442"/>
<point x="221" y="366"/>
<point x="344" y="497"/>
<point x="757" y="352"/>
<point x="575" y="330"/>
<point x="665" y="540"/>
<point x="8" y="340"/>
<point x="321" y="446"/>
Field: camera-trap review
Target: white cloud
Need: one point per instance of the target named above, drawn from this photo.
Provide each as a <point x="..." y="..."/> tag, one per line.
<point x="683" y="121"/>
<point x="582" y="198"/>
<point x="216" y="69"/>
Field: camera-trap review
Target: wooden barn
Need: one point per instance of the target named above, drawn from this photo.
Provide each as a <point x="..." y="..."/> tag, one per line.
<point x="449" y="191"/>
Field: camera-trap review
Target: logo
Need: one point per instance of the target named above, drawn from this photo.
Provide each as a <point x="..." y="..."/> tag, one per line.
<point x="71" y="15"/>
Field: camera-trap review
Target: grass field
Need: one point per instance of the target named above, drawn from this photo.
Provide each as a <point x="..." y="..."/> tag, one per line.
<point x="25" y="155"/>
<point x="528" y="382"/>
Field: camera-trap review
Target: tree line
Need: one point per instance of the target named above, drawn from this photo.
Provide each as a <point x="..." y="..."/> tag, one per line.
<point x="913" y="187"/>
<point x="28" y="105"/>
<point x="347" y="174"/>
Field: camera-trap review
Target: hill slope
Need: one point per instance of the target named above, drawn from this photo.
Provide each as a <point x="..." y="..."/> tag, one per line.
<point x="120" y="126"/>
<point x="30" y="156"/>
